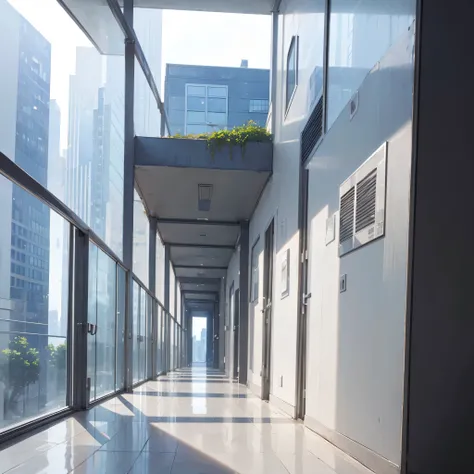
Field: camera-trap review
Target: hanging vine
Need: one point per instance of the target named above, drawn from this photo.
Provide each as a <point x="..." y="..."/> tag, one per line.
<point x="237" y="136"/>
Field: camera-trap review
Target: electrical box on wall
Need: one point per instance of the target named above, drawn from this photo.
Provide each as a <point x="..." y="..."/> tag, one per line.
<point x="362" y="203"/>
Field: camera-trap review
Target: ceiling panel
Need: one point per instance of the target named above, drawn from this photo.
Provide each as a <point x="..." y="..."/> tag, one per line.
<point x="198" y="233"/>
<point x="200" y="297"/>
<point x="197" y="256"/>
<point x="172" y="192"/>
<point x="199" y="272"/>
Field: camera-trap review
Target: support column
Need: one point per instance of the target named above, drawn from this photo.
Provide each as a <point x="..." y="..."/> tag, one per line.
<point x="128" y="192"/>
<point x="439" y="370"/>
<point x="244" y="302"/>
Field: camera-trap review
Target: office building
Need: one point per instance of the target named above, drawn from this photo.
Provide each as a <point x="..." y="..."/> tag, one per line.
<point x="200" y="99"/>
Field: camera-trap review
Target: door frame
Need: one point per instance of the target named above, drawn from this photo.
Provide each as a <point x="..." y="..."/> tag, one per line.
<point x="267" y="301"/>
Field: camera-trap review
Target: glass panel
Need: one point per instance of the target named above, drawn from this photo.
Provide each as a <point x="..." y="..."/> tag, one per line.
<point x="216" y="105"/>
<point x="34" y="295"/>
<point x="149" y="336"/>
<point x="136" y="336"/>
<point x="120" y="334"/>
<point x="105" y="332"/>
<point x="359" y="38"/>
<point x="258" y="105"/>
<point x="142" y="338"/>
<point x="62" y="108"/>
<point x="196" y="103"/>
<point x="291" y="70"/>
<point x="158" y="340"/>
<point x="255" y="272"/>
<point x="160" y="269"/>
<point x="146" y="116"/>
<point x="217" y="91"/>
<point x="217" y="118"/>
<point x="196" y="90"/>
<point x="140" y="240"/>
<point x="196" y="117"/>
<point x="92" y="318"/>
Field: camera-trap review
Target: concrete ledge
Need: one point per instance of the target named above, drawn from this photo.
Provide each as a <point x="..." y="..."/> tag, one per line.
<point x="285" y="407"/>
<point x="187" y="153"/>
<point x="255" y="389"/>
<point x="364" y="455"/>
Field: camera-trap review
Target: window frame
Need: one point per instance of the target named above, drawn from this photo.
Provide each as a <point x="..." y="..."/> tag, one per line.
<point x="259" y="111"/>
<point x="206" y="105"/>
<point x="254" y="295"/>
<point x="294" y="46"/>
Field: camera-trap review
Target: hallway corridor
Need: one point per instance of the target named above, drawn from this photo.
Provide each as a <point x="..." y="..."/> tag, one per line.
<point x="192" y="421"/>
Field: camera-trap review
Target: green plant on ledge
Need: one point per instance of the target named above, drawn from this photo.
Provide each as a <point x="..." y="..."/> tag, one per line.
<point x="237" y="136"/>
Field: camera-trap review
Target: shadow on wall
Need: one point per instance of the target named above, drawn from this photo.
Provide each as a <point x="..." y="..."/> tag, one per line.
<point x="360" y="334"/>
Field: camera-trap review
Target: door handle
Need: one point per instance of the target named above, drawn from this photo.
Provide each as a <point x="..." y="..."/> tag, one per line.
<point x="306" y="297"/>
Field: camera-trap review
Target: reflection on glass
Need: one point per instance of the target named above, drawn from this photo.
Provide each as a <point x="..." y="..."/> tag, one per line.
<point x="120" y="334"/>
<point x="62" y="112"/>
<point x="142" y="338"/>
<point x="101" y="342"/>
<point x="136" y="336"/>
<point x="34" y="289"/>
<point x="360" y="35"/>
<point x="140" y="240"/>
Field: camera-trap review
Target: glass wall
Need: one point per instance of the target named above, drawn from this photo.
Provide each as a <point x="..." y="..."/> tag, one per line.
<point x="106" y="335"/>
<point x="34" y="298"/>
<point x="140" y="240"/>
<point x="360" y="35"/>
<point x="62" y="122"/>
<point x="62" y="114"/>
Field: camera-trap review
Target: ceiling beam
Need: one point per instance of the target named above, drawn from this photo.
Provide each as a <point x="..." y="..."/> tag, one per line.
<point x="201" y="246"/>
<point x="198" y="222"/>
<point x="199" y="267"/>
<point x="200" y="292"/>
<point x="205" y="280"/>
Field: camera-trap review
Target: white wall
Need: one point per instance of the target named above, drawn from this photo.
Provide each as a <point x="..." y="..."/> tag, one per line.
<point x="232" y="277"/>
<point x="280" y="199"/>
<point x="355" y="345"/>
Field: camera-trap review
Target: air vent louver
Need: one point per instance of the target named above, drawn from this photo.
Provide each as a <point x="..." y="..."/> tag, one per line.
<point x="365" y="201"/>
<point x="312" y="131"/>
<point x="347" y="215"/>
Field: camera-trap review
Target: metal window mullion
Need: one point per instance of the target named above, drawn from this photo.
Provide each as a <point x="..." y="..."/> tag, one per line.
<point x="80" y="299"/>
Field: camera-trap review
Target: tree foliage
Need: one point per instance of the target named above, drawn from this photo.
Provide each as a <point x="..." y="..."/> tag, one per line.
<point x="20" y="368"/>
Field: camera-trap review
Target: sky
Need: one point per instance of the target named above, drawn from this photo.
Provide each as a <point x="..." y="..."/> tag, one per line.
<point x="198" y="325"/>
<point x="198" y="38"/>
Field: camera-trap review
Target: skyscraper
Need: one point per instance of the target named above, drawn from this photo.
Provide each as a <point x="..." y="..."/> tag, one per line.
<point x="24" y="95"/>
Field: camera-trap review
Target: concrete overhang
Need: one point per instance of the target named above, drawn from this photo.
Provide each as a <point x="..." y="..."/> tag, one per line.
<point x="200" y="198"/>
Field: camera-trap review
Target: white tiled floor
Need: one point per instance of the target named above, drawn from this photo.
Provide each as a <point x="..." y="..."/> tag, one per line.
<point x="189" y="422"/>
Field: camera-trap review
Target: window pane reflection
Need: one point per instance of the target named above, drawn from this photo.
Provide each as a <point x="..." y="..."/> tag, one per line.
<point x="34" y="296"/>
<point x="359" y="38"/>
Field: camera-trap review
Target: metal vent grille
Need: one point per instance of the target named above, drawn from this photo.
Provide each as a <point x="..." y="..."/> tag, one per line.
<point x="312" y="131"/>
<point x="346" y="218"/>
<point x="365" y="201"/>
